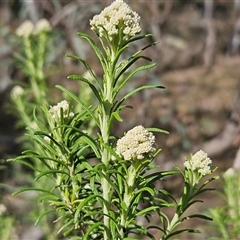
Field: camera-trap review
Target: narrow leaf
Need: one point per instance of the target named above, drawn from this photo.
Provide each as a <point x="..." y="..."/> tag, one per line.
<point x="182" y="231"/>
<point x="54" y="171"/>
<point x="146" y="210"/>
<point x="128" y="64"/>
<point x="141" y="88"/>
<point x="32" y="189"/>
<point x="197" y="216"/>
<point x="42" y="215"/>
<point x="91" y="230"/>
<point x="157" y="130"/>
<point x="95" y="91"/>
<point x="92" y="74"/>
<point x="95" y="47"/>
<point x="138" y="38"/>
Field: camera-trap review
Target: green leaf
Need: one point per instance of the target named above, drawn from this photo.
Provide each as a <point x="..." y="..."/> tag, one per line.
<point x="155" y="227"/>
<point x="141" y="88"/>
<point x="95" y="48"/>
<point x="33" y="189"/>
<point x="146" y="189"/>
<point x="157" y="130"/>
<point x="137" y="38"/>
<point x="42" y="215"/>
<point x="84" y="203"/>
<point x="156" y="176"/>
<point x="26" y="163"/>
<point x="119" y="53"/>
<point x="113" y="153"/>
<point x="54" y="171"/>
<point x="51" y="199"/>
<point x="202" y="189"/>
<point x="91" y="230"/>
<point x="147" y="210"/>
<point x="166" y="193"/>
<point x="68" y="222"/>
<point x="92" y="74"/>
<point x="52" y="139"/>
<point x="43" y="159"/>
<point x="116" y="115"/>
<point x="123" y="68"/>
<point x="196" y="216"/>
<point x="45" y="144"/>
<point x="181" y="231"/>
<point x="39" y="124"/>
<point x="185" y="207"/>
<point x="95" y="91"/>
<point x="20" y="58"/>
<point x="93" y="145"/>
<point x="147" y="46"/>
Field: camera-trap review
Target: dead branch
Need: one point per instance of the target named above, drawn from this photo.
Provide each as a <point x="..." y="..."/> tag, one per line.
<point x="211" y="33"/>
<point x="235" y="43"/>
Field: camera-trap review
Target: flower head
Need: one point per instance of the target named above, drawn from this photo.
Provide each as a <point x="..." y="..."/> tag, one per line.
<point x="3" y="209"/>
<point x="230" y="173"/>
<point x="55" y="111"/>
<point x="42" y="25"/>
<point x="25" y="29"/>
<point x="116" y="18"/>
<point x="138" y="143"/>
<point x="199" y="162"/>
<point x="17" y="91"/>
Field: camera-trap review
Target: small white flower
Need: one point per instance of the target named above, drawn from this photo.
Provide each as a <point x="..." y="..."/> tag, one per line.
<point x="17" y="91"/>
<point x="199" y="162"/>
<point x="25" y="29"/>
<point x="55" y="111"/>
<point x="33" y="125"/>
<point x="138" y="143"/>
<point x="230" y="173"/>
<point x="115" y="18"/>
<point x="3" y="209"/>
<point x="42" y="25"/>
<point x="47" y="139"/>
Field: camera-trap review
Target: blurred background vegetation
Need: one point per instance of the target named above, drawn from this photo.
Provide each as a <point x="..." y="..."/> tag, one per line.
<point x="198" y="62"/>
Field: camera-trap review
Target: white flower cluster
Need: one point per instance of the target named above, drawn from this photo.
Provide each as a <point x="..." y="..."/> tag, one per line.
<point x="115" y="18"/>
<point x="27" y="28"/>
<point x="17" y="91"/>
<point x="138" y="143"/>
<point x="199" y="162"/>
<point x="42" y="25"/>
<point x="3" y="209"/>
<point x="55" y="111"/>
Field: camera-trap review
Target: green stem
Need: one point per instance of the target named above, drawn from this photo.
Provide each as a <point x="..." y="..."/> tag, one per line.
<point x="105" y="185"/>
<point x="188" y="194"/>
<point x="105" y="127"/>
<point x="128" y="195"/>
<point x="35" y="65"/>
